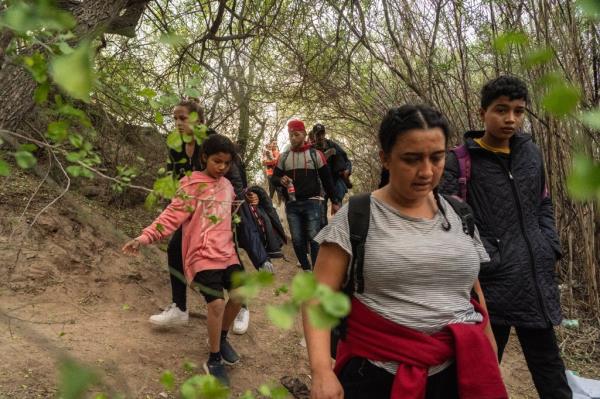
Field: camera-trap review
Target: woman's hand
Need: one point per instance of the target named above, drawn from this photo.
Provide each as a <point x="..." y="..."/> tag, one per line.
<point x="252" y="198"/>
<point x="325" y="385"/>
<point x="132" y="247"/>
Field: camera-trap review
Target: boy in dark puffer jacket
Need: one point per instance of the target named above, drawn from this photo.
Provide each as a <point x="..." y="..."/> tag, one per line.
<point x="513" y="211"/>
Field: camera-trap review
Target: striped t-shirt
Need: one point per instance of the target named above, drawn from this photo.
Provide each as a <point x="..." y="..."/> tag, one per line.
<point x="416" y="274"/>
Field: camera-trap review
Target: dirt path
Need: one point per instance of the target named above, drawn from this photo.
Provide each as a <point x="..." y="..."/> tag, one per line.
<point x="104" y="323"/>
<point x="71" y="291"/>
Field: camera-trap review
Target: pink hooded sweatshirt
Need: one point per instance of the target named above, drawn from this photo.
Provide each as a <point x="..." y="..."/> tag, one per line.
<point x="203" y="207"/>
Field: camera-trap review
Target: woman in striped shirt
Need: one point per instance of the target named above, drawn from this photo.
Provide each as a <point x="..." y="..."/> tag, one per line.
<point x="413" y="331"/>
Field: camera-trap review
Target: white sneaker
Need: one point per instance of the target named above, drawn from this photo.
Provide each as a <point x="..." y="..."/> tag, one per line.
<point x="171" y="316"/>
<point x="241" y="322"/>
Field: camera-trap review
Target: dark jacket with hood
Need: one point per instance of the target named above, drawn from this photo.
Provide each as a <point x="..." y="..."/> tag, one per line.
<point x="514" y="215"/>
<point x="273" y="232"/>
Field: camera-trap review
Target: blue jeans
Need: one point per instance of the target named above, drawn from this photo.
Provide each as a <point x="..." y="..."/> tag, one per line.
<point x="304" y="219"/>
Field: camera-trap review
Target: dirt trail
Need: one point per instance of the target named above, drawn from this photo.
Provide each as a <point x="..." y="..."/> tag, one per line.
<point x="71" y="291"/>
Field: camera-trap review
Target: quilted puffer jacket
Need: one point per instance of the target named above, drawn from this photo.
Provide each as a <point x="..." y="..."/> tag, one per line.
<point x="514" y="215"/>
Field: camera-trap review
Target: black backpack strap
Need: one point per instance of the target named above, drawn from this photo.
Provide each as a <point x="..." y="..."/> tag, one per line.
<point x="359" y="213"/>
<point x="465" y="213"/>
<point x="283" y="156"/>
<point x="313" y="156"/>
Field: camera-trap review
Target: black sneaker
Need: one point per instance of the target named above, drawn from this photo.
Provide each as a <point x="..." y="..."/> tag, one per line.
<point x="217" y="369"/>
<point x="229" y="355"/>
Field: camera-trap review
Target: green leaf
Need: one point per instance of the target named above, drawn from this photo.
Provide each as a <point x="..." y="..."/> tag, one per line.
<point x="76" y="140"/>
<point x="172" y="39"/>
<point x="147" y="93"/>
<point x="590" y="8"/>
<point x="36" y="65"/>
<point x="74" y="170"/>
<point x="58" y="131"/>
<point x="23" y="17"/>
<point x="150" y="202"/>
<point x="200" y="133"/>
<point x="74" y="156"/>
<point x="561" y="99"/>
<point x="248" y="395"/>
<point x="25" y="159"/>
<point x="192" y="92"/>
<point x="125" y="307"/>
<point x="40" y="95"/>
<point x="319" y="318"/>
<point x="584" y="181"/>
<point x="65" y="48"/>
<point x="4" y="168"/>
<point x="29" y="147"/>
<point x="203" y="387"/>
<point x="158" y="118"/>
<point x="69" y="110"/>
<point x="537" y="57"/>
<point x="87" y="173"/>
<point x="74" y="72"/>
<point x="190" y="367"/>
<point x="160" y="228"/>
<point x="337" y="304"/>
<point x="304" y="286"/>
<point x="168" y="100"/>
<point x="166" y="187"/>
<point x="187" y="139"/>
<point x="236" y="219"/>
<point x="591" y="119"/>
<point x="279" y="392"/>
<point x="214" y="219"/>
<point x="174" y="141"/>
<point x="167" y="379"/>
<point x="512" y="38"/>
<point x="75" y="380"/>
<point x="282" y="316"/>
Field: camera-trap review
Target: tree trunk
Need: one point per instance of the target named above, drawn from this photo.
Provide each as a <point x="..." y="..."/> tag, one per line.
<point x="93" y="18"/>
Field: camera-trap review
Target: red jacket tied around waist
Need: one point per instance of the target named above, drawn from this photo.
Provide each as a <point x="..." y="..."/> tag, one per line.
<point x="373" y="337"/>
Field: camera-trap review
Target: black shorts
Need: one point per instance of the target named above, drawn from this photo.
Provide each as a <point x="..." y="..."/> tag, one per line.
<point x="211" y="283"/>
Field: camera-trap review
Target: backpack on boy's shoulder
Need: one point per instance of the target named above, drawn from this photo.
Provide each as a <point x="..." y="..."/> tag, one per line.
<point x="464" y="167"/>
<point x="359" y="214"/>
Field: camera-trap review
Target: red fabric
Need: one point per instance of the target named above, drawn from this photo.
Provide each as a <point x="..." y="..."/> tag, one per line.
<point x="296" y="125"/>
<point x="373" y="337"/>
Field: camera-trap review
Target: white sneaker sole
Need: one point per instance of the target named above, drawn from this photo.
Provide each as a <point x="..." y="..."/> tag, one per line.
<point x="169" y="323"/>
<point x="239" y="332"/>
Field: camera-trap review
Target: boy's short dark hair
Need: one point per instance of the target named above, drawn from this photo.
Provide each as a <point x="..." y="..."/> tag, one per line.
<point x="509" y="86"/>
<point x="216" y="143"/>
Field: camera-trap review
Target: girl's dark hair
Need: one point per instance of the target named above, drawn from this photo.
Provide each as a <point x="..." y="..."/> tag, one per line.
<point x="193" y="105"/>
<point x="399" y="120"/>
<point x="216" y="143"/>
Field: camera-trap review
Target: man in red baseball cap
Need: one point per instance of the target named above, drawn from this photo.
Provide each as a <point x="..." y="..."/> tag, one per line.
<point x="302" y="170"/>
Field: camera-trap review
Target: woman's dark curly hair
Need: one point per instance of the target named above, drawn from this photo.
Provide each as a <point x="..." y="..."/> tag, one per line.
<point x="407" y="117"/>
<point x="509" y="86"/>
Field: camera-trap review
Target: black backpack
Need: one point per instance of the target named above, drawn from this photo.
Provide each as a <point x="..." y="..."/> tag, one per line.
<point x="359" y="214"/>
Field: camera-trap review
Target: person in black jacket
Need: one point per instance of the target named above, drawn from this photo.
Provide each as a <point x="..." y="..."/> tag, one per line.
<point x="301" y="171"/>
<point x="513" y="211"/>
<point x="338" y="162"/>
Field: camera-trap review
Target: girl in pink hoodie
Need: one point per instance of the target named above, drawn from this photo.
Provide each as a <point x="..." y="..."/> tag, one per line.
<point x="203" y="207"/>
